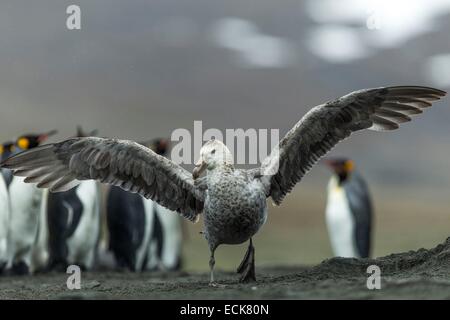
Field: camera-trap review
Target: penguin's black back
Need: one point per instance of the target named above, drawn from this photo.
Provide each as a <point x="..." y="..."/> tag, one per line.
<point x="156" y="237"/>
<point x="59" y="226"/>
<point x="7" y="176"/>
<point x="360" y="204"/>
<point x="126" y="225"/>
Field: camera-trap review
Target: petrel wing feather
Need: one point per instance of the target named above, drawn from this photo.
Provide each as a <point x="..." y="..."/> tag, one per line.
<point x="129" y="165"/>
<point x="379" y="109"/>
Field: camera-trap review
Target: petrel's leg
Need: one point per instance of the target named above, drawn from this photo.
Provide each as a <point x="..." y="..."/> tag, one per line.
<point x="247" y="266"/>
<point x="212" y="262"/>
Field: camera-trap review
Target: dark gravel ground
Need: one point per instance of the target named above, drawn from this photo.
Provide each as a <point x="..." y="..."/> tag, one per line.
<point x="422" y="274"/>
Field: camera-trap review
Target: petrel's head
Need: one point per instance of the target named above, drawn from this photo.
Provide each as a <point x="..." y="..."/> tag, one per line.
<point x="212" y="155"/>
<point x="342" y="167"/>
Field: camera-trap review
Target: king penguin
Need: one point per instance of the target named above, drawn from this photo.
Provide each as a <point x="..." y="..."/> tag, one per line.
<point x="348" y="210"/>
<point x="6" y="149"/>
<point x="142" y="234"/>
<point x="74" y="224"/>
<point x="26" y="207"/>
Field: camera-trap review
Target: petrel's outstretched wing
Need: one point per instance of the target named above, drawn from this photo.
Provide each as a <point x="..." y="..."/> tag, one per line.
<point x="129" y="165"/>
<point x="324" y="126"/>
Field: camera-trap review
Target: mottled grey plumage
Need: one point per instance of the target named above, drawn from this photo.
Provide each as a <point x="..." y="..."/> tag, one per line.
<point x="233" y="200"/>
<point x="235" y="207"/>
<point x="126" y="164"/>
<point x="324" y="126"/>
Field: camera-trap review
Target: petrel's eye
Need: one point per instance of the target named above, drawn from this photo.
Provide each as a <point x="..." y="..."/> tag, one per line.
<point x="213" y="151"/>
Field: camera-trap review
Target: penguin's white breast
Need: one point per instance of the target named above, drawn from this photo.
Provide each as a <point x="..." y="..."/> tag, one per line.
<point x="4" y="219"/>
<point x="87" y="230"/>
<point x="340" y="222"/>
<point x="25" y="204"/>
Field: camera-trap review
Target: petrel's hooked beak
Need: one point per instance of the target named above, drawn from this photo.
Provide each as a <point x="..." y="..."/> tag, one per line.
<point x="200" y="166"/>
<point x="44" y="136"/>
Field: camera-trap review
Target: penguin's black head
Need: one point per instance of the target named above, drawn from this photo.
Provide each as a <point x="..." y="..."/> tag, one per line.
<point x="6" y="149"/>
<point x="30" y="141"/>
<point x="81" y="133"/>
<point x="342" y="167"/>
<point x="158" y="145"/>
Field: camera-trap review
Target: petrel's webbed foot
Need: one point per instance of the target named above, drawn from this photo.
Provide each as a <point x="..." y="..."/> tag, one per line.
<point x="247" y="266"/>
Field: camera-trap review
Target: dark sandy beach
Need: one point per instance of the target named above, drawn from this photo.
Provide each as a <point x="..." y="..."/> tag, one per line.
<point x="421" y="274"/>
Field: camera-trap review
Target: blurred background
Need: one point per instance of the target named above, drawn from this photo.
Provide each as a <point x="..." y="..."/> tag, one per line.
<point x="141" y="69"/>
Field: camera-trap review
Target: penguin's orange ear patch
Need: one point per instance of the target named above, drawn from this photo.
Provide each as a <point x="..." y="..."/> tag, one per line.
<point x="349" y="166"/>
<point x="23" y="143"/>
<point x="2" y="149"/>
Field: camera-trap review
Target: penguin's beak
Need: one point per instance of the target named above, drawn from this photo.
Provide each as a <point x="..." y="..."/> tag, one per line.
<point x="44" y="136"/>
<point x="326" y="162"/>
<point x="200" y="166"/>
<point x="331" y="164"/>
